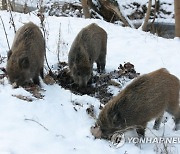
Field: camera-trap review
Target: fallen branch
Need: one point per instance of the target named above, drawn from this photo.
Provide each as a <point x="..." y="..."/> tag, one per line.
<point x="37" y="123"/>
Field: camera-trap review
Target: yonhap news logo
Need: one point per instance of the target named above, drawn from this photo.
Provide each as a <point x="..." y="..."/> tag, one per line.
<point x="119" y="139"/>
<point x="154" y="140"/>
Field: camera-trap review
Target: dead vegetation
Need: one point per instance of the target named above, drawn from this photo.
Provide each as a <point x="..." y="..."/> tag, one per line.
<point x="99" y="84"/>
<point x="91" y="111"/>
<point x="2" y="69"/>
<point x="35" y="90"/>
<point x="24" y="98"/>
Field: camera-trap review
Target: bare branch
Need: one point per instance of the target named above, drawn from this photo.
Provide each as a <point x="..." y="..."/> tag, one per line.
<point x="59" y="43"/>
<point x="41" y="17"/>
<point x="5" y="32"/>
<point x="11" y="19"/>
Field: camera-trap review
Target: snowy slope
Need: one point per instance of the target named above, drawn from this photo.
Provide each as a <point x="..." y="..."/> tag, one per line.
<point x="67" y="130"/>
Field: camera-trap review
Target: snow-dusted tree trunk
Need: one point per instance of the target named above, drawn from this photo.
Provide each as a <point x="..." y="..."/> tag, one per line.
<point x="177" y="17"/>
<point x="148" y="12"/>
<point x="85" y="9"/>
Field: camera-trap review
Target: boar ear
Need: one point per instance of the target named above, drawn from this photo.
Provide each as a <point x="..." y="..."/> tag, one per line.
<point x="24" y="62"/>
<point x="9" y="54"/>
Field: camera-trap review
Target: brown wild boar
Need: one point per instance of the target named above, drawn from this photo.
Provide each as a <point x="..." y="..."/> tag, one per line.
<point x="146" y="98"/>
<point x="88" y="47"/>
<point x="26" y="57"/>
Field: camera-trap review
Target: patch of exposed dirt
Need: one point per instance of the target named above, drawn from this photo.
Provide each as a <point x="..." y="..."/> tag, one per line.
<point x="99" y="84"/>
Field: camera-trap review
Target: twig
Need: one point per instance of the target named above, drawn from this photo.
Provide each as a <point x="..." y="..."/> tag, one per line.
<point x="5" y="32"/>
<point x="112" y="17"/>
<point x="41" y="17"/>
<point x="2" y="59"/>
<point x="37" y="123"/>
<point x="44" y="32"/>
<point x="59" y="42"/>
<point x="11" y="19"/>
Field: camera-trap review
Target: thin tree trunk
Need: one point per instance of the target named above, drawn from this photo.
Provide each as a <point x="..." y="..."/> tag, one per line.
<point x="144" y="26"/>
<point x="85" y="9"/>
<point x="177" y="17"/>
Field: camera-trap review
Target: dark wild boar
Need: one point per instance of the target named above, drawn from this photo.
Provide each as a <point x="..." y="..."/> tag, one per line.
<point x="88" y="47"/>
<point x="146" y="98"/>
<point x="26" y="57"/>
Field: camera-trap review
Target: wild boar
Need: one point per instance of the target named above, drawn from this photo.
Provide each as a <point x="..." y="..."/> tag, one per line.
<point x="88" y="47"/>
<point x="146" y="98"/>
<point x="26" y="56"/>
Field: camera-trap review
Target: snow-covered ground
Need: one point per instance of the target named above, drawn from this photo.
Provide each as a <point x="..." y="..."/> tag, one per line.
<point x="63" y="129"/>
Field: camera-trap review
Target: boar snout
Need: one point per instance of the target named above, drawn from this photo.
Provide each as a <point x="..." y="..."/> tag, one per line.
<point x="96" y="131"/>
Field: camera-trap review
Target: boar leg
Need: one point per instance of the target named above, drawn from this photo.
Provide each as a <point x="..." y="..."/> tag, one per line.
<point x="101" y="62"/>
<point x="174" y="108"/>
<point x="42" y="73"/>
<point x="141" y="130"/>
<point x="36" y="80"/>
<point x="157" y="122"/>
<point x="177" y="119"/>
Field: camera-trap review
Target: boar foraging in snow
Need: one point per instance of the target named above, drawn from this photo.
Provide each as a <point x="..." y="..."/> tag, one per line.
<point x="26" y="57"/>
<point x="146" y="98"/>
<point x="88" y="47"/>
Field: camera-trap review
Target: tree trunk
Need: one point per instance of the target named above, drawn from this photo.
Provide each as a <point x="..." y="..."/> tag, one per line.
<point x="4" y="5"/>
<point x="85" y="9"/>
<point x="144" y="26"/>
<point x="113" y="7"/>
<point x="177" y="17"/>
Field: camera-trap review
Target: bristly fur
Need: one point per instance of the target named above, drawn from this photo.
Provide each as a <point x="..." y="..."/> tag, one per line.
<point x="146" y="98"/>
<point x="89" y="46"/>
<point x="26" y="57"/>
